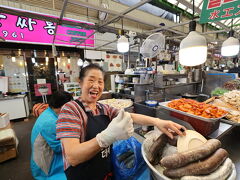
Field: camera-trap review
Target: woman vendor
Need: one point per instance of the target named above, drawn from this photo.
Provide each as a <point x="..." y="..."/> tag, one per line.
<point x="87" y="129"/>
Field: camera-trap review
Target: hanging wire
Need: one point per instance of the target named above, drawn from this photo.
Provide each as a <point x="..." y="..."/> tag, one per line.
<point x="122" y="23"/>
<point x="193" y="9"/>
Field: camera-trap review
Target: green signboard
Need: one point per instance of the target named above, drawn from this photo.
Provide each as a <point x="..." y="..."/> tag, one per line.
<point x="217" y="10"/>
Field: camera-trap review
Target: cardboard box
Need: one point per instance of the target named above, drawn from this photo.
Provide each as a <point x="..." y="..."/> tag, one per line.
<point x="7" y="127"/>
<point x="11" y="153"/>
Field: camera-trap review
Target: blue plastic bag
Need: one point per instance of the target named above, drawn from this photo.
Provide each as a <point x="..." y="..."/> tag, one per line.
<point x="127" y="160"/>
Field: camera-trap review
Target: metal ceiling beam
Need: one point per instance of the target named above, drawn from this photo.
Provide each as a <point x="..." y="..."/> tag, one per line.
<point x="60" y="19"/>
<point x="119" y="15"/>
<point x="167" y="27"/>
<point x="91" y="6"/>
<point x="98" y="8"/>
<point x="204" y="33"/>
<point x="83" y="37"/>
<point x="198" y="10"/>
<point x="54" y="20"/>
<point x="125" y="12"/>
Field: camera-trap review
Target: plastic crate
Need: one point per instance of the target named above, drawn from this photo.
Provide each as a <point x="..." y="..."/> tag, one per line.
<point x="141" y="108"/>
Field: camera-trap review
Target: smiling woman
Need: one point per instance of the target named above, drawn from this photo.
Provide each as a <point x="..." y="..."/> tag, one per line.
<point x="88" y="128"/>
<point x="92" y="84"/>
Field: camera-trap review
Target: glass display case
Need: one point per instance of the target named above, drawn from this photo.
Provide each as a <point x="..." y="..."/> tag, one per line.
<point x="73" y="88"/>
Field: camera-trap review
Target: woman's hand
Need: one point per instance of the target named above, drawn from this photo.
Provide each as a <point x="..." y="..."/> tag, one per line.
<point x="169" y="128"/>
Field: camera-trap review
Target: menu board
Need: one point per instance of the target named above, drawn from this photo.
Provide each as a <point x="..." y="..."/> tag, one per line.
<point x="114" y="62"/>
<point x="16" y="74"/>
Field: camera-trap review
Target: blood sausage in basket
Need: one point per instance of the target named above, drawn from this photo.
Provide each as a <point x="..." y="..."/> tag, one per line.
<point x="206" y="162"/>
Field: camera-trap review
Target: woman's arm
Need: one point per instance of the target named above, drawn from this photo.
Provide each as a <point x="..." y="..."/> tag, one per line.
<point x="77" y="152"/>
<point x="121" y="127"/>
<point x="165" y="126"/>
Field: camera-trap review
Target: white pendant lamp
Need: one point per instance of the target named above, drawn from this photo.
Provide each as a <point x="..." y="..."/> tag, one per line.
<point x="230" y="47"/>
<point x="13" y="57"/>
<point x="85" y="63"/>
<point x="123" y="44"/>
<point x="193" y="48"/>
<point x="80" y="62"/>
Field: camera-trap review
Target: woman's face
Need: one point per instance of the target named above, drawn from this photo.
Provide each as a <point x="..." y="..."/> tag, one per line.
<point x="92" y="85"/>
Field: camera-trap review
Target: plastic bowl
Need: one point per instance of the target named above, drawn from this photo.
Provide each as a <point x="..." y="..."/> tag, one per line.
<point x="151" y="103"/>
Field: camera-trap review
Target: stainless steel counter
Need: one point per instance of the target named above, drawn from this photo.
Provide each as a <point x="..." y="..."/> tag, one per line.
<point x="12" y="97"/>
<point x="16" y="106"/>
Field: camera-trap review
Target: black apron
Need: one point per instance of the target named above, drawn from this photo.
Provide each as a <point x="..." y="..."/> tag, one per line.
<point x="99" y="167"/>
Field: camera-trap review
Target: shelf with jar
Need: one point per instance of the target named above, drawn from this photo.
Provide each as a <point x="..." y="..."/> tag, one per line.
<point x="131" y="85"/>
<point x="73" y="88"/>
<point x="133" y="79"/>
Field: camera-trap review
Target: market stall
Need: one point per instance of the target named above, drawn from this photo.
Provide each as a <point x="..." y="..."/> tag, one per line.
<point x="175" y="60"/>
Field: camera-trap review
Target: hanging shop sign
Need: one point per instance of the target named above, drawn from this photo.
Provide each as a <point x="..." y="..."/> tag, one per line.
<point x="42" y="89"/>
<point x="27" y="30"/>
<point x="217" y="10"/>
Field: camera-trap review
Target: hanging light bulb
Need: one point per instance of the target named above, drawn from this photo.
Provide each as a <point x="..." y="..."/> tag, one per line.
<point x="35" y="53"/>
<point x="80" y="62"/>
<point x="47" y="57"/>
<point x="69" y="60"/>
<point x="193" y="48"/>
<point x="122" y="43"/>
<point x="19" y="52"/>
<point x="86" y="63"/>
<point x="13" y="57"/>
<point x="58" y="59"/>
<point x="101" y="63"/>
<point x="230" y="47"/>
<point x="33" y="59"/>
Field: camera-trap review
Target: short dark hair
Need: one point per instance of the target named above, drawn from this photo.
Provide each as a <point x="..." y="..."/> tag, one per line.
<point x="84" y="70"/>
<point x="59" y="98"/>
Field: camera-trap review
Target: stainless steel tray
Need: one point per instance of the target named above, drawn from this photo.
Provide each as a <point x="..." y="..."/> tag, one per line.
<point x="229" y="122"/>
<point x="164" y="105"/>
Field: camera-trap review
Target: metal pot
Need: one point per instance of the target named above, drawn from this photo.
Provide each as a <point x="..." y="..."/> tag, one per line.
<point x="198" y="97"/>
<point x="190" y="96"/>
